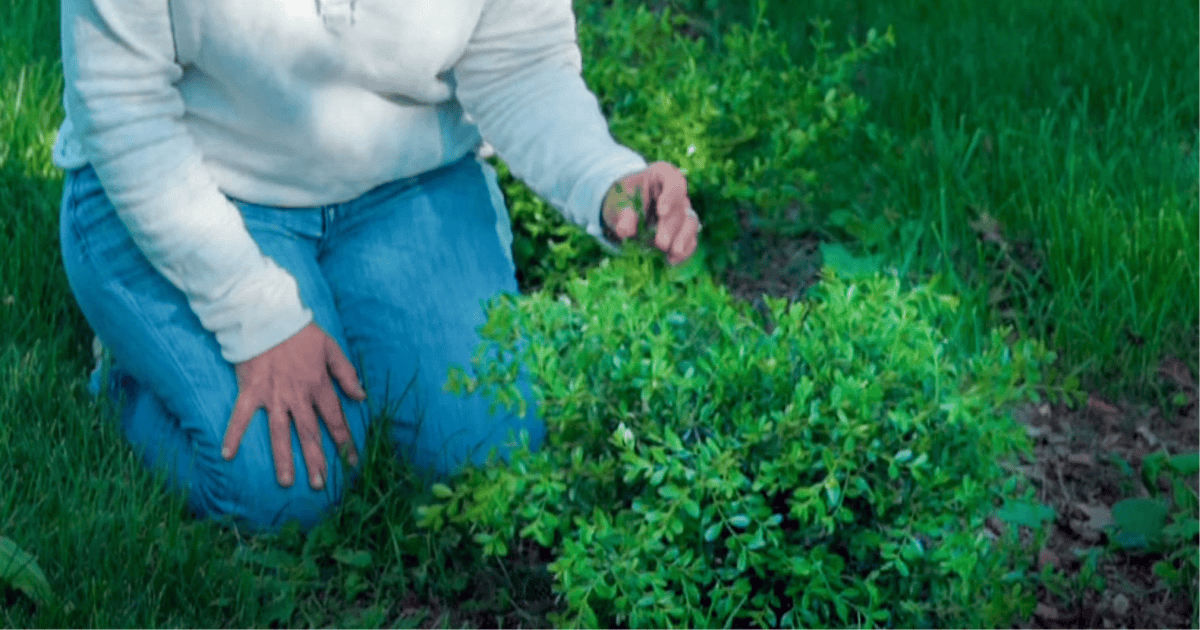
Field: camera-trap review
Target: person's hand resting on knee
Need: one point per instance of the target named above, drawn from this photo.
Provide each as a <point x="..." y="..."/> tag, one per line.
<point x="291" y="381"/>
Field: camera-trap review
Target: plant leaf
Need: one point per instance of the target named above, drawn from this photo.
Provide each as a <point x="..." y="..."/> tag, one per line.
<point x="1185" y="463"/>
<point x="1182" y="531"/>
<point x="1139" y="521"/>
<point x="1024" y="513"/>
<point x="358" y="559"/>
<point x="19" y="569"/>
<point x="848" y="265"/>
<point x="280" y="610"/>
<point x="270" y="558"/>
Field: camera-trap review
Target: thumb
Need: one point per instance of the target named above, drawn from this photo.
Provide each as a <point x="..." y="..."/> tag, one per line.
<point x="343" y="370"/>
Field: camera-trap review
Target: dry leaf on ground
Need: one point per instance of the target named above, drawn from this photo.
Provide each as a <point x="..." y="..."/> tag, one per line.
<point x="1081" y="459"/>
<point x="1120" y="604"/>
<point x="1100" y="406"/>
<point x="1047" y="612"/>
<point x="1045" y="556"/>
<point x="989" y="229"/>
<point x="1177" y="372"/>
<point x="1036" y="432"/>
<point x="1144" y="432"/>
<point x="1099" y="516"/>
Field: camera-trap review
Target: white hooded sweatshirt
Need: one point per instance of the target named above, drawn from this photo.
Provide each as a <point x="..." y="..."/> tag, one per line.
<point x="301" y="103"/>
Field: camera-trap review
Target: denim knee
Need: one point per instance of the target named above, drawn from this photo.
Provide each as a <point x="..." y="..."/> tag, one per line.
<point x="247" y="489"/>
<point x="244" y="491"/>
<point x="469" y="432"/>
<point x="261" y="504"/>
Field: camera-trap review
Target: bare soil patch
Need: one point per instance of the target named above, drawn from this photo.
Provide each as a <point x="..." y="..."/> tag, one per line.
<point x="1078" y="471"/>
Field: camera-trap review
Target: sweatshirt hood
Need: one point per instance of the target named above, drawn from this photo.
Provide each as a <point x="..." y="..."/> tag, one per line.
<point x="337" y="14"/>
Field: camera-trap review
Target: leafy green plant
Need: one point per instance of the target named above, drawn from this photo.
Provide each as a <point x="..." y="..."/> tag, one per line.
<point x="1076" y="586"/>
<point x="751" y="129"/>
<point x="700" y="471"/>
<point x="1164" y="524"/>
<point x="1031" y="524"/>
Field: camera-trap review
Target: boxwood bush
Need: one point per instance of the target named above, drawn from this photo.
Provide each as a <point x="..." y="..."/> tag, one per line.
<point x="749" y="128"/>
<point x="702" y="472"/>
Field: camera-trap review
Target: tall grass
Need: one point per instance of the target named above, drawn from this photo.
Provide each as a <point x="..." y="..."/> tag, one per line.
<point x="1100" y="253"/>
<point x="33" y="305"/>
<point x="1074" y="125"/>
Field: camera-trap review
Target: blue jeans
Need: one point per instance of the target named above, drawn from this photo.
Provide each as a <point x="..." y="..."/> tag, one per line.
<point x="396" y="276"/>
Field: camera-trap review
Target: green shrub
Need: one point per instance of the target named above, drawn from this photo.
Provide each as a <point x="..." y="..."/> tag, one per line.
<point x="749" y="128"/>
<point x="702" y="472"/>
<point x="1163" y="527"/>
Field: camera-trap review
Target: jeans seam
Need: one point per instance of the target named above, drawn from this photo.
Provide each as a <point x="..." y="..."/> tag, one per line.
<point x="499" y="208"/>
<point x="221" y="477"/>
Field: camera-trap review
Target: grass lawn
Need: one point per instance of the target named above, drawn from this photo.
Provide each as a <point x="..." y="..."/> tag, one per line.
<point x="1045" y="169"/>
<point x="1067" y="135"/>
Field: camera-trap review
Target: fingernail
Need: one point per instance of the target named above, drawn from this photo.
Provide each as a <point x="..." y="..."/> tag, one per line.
<point x="318" y="482"/>
<point x="353" y="459"/>
<point x="285" y="480"/>
<point x="226" y="453"/>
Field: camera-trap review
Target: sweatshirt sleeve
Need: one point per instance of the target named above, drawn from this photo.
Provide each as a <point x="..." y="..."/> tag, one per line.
<point x="120" y="76"/>
<point x="520" y="80"/>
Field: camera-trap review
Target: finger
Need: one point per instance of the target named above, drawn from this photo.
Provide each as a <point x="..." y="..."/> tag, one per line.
<point x="687" y="251"/>
<point x="627" y="223"/>
<point x="684" y="244"/>
<point x="310" y="444"/>
<point x="673" y="206"/>
<point x="668" y="230"/>
<point x="281" y="444"/>
<point x="343" y="370"/>
<point x="243" y="411"/>
<point x="330" y="408"/>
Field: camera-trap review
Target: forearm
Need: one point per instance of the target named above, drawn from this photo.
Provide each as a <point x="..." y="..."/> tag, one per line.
<point x="520" y="81"/>
<point x="120" y="75"/>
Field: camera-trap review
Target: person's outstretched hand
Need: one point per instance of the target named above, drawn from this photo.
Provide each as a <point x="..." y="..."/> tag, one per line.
<point x="657" y="199"/>
<point x="292" y="382"/>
